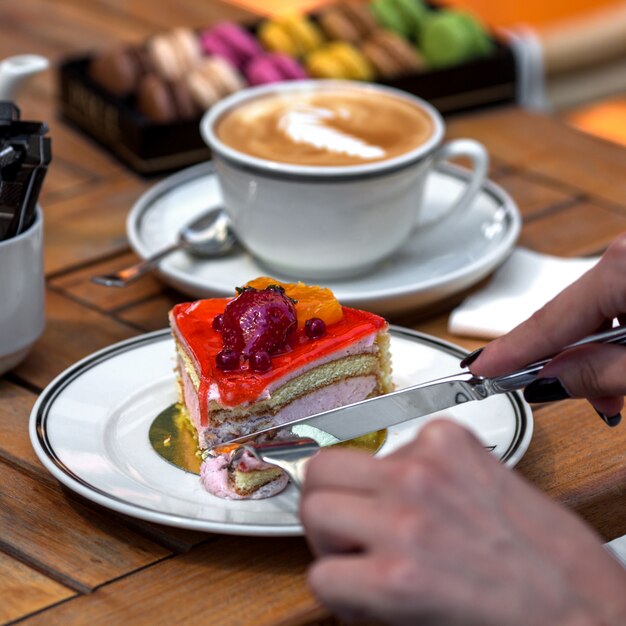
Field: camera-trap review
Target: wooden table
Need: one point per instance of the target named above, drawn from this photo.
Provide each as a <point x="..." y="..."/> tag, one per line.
<point x="66" y="561"/>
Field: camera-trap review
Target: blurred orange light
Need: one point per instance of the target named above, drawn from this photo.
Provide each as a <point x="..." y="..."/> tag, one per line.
<point x="271" y="7"/>
<point x="501" y="13"/>
<point x="606" y="119"/>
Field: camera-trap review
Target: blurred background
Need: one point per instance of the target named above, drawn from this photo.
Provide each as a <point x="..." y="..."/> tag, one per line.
<point x="582" y="53"/>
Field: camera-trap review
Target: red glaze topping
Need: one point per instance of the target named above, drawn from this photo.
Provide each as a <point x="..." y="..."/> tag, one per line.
<point x="194" y="325"/>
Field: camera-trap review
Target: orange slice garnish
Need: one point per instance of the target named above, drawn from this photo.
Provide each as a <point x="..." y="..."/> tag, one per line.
<point x="312" y="301"/>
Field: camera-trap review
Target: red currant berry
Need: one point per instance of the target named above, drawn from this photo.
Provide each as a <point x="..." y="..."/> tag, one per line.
<point x="260" y="361"/>
<point x="227" y="360"/>
<point x="218" y="322"/>
<point x="314" y="328"/>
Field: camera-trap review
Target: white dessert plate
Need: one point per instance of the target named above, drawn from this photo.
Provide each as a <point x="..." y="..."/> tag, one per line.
<point x="90" y="429"/>
<point x="448" y="258"/>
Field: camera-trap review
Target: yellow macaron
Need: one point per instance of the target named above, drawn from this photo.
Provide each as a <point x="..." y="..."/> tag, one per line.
<point x="305" y="34"/>
<point x="321" y="64"/>
<point x="290" y="33"/>
<point x="356" y="65"/>
<point x="275" y="38"/>
<point x="340" y="60"/>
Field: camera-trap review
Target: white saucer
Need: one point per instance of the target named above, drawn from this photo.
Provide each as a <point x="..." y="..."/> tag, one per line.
<point x="90" y="427"/>
<point x="446" y="260"/>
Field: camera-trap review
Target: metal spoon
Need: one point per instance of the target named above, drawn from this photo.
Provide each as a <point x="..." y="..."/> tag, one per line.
<point x="208" y="235"/>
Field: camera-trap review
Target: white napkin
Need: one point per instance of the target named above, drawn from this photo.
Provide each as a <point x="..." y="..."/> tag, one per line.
<point x="524" y="283"/>
<point x="617" y="548"/>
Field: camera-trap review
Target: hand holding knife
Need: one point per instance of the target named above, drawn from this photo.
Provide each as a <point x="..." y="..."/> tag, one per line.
<point x="296" y="441"/>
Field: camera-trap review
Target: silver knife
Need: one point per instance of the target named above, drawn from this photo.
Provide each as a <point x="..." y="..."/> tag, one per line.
<point x="300" y="439"/>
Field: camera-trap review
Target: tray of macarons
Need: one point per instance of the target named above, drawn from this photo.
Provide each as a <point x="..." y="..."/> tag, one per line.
<point x="144" y="102"/>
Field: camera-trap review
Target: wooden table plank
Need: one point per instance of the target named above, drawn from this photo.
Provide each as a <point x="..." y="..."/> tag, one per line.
<point x="16" y="449"/>
<point x="503" y="131"/>
<point x="60" y="28"/>
<point x="166" y="14"/>
<point x="152" y="314"/>
<point x="72" y="332"/>
<point x="87" y="227"/>
<point x="177" y="540"/>
<point x="578" y="460"/>
<point x="235" y="581"/>
<point x="551" y="150"/>
<point x="78" y="545"/>
<point x="583" y="229"/>
<point x="596" y="170"/>
<point x="24" y="590"/>
<point x="78" y="285"/>
<point x="62" y="179"/>
<point x="15" y="408"/>
<point x="533" y="197"/>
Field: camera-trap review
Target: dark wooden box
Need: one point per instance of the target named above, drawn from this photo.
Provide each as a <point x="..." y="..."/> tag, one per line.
<point x="150" y="148"/>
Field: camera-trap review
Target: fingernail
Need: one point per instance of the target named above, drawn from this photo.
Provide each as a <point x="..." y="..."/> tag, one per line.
<point x="610" y="420"/>
<point x="545" y="390"/>
<point x="470" y="358"/>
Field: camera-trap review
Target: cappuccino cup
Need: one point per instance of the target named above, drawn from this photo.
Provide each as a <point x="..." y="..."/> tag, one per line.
<point x="325" y="179"/>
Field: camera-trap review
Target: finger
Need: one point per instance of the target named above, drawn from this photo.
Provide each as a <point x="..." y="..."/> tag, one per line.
<point x="345" y="584"/>
<point x="444" y="442"/>
<point x="389" y="587"/>
<point x="596" y="371"/>
<point x="342" y="468"/>
<point x="444" y="461"/>
<point x="609" y="409"/>
<point x="339" y="521"/>
<point x="579" y="310"/>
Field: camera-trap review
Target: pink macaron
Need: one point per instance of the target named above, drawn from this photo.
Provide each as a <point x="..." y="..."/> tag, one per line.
<point x="230" y="42"/>
<point x="273" y="68"/>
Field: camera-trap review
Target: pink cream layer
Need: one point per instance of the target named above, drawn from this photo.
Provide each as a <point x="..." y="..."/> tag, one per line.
<point x="332" y="396"/>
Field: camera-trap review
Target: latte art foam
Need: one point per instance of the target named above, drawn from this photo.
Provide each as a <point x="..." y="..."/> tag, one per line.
<point x="326" y="128"/>
<point x="315" y="127"/>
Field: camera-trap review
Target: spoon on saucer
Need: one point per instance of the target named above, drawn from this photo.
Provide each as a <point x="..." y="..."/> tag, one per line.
<point x="208" y="235"/>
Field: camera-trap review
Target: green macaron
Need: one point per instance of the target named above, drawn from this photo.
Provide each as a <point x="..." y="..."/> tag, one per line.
<point x="452" y="37"/>
<point x="403" y="17"/>
<point x="414" y="12"/>
<point x="387" y="15"/>
<point x="482" y="42"/>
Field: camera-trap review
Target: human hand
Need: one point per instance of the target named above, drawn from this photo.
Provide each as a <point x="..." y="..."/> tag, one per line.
<point x="595" y="372"/>
<point x="440" y="533"/>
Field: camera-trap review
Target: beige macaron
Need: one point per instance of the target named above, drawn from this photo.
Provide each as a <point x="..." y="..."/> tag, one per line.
<point x="213" y="79"/>
<point x="174" y="53"/>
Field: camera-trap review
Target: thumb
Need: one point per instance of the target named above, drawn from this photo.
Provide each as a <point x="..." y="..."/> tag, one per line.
<point x="596" y="372"/>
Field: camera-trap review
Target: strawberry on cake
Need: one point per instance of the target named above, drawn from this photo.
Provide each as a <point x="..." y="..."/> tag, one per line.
<point x="274" y="353"/>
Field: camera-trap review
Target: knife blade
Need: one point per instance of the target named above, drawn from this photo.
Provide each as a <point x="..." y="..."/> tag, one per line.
<point x="353" y="420"/>
<point x="360" y="418"/>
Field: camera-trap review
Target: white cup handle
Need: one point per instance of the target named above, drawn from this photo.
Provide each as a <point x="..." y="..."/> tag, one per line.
<point x="479" y="157"/>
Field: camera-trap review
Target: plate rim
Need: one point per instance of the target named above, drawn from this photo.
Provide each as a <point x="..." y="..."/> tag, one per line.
<point x="67" y="477"/>
<point x="481" y="266"/>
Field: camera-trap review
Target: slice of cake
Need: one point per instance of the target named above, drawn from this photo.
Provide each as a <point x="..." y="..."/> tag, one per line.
<point x="275" y="353"/>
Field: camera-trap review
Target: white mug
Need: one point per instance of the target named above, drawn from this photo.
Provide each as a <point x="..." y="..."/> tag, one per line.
<point x="329" y="222"/>
<point x="22" y="314"/>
